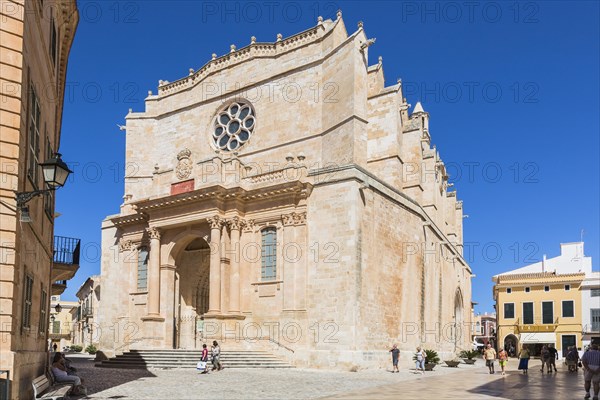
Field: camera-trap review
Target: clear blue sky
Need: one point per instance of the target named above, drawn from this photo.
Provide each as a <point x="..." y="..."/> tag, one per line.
<point x="512" y="90"/>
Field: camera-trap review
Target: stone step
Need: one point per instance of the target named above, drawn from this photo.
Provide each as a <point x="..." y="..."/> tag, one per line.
<point x="169" y="358"/>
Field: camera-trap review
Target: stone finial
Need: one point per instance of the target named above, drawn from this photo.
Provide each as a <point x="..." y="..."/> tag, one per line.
<point x="301" y="156"/>
<point x="319" y="20"/>
<point x="339" y="14"/>
<point x="418" y="108"/>
<point x="160" y="82"/>
<point x="289" y="157"/>
<point x="214" y="56"/>
<point x="191" y="71"/>
<point x="399" y="81"/>
<point x="232" y="48"/>
<point x="279" y="37"/>
<point x="380" y="60"/>
<point x="253" y="40"/>
<point x="149" y="92"/>
<point x="360" y="24"/>
<point x="130" y="110"/>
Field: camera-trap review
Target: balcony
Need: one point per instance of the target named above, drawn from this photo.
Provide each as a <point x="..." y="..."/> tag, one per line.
<point x="57" y="331"/>
<point x="87" y="312"/>
<point x="536" y="326"/>
<point x="65" y="258"/>
<point x="58" y="287"/>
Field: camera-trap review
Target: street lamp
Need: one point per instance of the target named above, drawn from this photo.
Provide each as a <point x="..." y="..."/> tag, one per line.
<point x="55" y="172"/>
<point x="58" y="308"/>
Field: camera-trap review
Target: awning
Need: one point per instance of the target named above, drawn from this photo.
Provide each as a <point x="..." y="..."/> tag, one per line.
<point x="538" y="337"/>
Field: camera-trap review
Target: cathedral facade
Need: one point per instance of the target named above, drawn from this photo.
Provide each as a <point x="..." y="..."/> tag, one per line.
<point x="283" y="197"/>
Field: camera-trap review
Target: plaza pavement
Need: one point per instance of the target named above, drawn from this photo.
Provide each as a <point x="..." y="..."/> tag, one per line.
<point x="465" y="382"/>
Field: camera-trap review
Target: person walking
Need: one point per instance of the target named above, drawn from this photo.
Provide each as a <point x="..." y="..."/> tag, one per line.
<point x="591" y="367"/>
<point x="552" y="357"/>
<point x="572" y="359"/>
<point x="204" y="358"/>
<point x="502" y="360"/>
<point x="545" y="357"/>
<point x="524" y="360"/>
<point x="489" y="355"/>
<point x="395" y="355"/>
<point x="216" y="355"/>
<point x="420" y="360"/>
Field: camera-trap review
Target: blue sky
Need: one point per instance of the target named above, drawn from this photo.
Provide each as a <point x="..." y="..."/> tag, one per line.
<point x="512" y="90"/>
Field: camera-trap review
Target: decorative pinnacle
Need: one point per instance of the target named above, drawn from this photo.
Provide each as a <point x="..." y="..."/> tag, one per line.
<point x="253" y="40"/>
<point x="149" y="92"/>
<point x="191" y="71"/>
<point x="232" y="47"/>
<point x="339" y="14"/>
<point x="279" y="37"/>
<point x="360" y="24"/>
<point x="399" y="80"/>
<point x="319" y="20"/>
<point x="214" y="56"/>
<point x="380" y="60"/>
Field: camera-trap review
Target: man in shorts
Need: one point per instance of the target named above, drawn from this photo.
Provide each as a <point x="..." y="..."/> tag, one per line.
<point x="591" y="368"/>
<point x="489" y="355"/>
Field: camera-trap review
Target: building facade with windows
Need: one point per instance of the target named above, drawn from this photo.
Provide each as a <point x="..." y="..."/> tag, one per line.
<point x="35" y="41"/>
<point x="484" y="330"/>
<point x="61" y="322"/>
<point x="590" y="302"/>
<point x="84" y="317"/>
<point x="542" y="303"/>
<point x="285" y="194"/>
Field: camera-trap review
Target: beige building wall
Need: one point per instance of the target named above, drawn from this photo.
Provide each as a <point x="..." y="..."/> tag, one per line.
<point x="29" y="62"/>
<point x="369" y="240"/>
<point x="61" y="323"/>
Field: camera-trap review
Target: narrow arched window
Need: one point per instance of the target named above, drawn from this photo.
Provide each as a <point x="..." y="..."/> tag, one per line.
<point x="268" y="254"/>
<point x="142" y="271"/>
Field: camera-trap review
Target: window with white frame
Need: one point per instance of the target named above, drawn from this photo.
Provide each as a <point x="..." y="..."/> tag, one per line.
<point x="268" y="270"/>
<point x="568" y="308"/>
<point x="547" y="312"/>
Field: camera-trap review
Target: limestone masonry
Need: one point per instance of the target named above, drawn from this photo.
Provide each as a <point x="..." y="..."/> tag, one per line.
<point x="285" y="195"/>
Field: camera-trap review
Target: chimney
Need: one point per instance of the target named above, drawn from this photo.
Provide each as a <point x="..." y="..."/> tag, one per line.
<point x="544" y="263"/>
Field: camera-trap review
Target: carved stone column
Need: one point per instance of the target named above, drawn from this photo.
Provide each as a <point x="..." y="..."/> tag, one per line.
<point x="154" y="273"/>
<point x="214" y="297"/>
<point x="235" y="224"/>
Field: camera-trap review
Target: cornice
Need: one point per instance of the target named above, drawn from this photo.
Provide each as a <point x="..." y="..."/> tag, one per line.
<point x="254" y="50"/>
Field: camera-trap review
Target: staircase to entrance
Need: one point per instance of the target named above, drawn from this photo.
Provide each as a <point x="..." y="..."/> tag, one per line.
<point x="143" y="359"/>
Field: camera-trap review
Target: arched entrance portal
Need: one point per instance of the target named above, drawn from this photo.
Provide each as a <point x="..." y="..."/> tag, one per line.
<point x="510" y="345"/>
<point x="191" y="292"/>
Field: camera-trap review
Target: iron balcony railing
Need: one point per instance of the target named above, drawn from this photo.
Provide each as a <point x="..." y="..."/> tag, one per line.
<point x="66" y="250"/>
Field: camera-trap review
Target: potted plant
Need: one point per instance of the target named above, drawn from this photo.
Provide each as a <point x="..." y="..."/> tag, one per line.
<point x="452" y="363"/>
<point x="468" y="356"/>
<point x="431" y="359"/>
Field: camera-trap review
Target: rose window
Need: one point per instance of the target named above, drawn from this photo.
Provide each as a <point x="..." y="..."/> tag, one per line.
<point x="233" y="126"/>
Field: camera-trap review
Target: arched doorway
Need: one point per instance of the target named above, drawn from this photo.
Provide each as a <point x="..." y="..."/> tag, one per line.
<point x="511" y="343"/>
<point x="191" y="291"/>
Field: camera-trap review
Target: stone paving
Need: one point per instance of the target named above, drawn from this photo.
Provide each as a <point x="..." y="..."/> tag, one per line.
<point x="465" y="382"/>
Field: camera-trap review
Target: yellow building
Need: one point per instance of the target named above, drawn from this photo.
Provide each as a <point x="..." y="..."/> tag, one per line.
<point x="541" y="304"/>
<point x="61" y="321"/>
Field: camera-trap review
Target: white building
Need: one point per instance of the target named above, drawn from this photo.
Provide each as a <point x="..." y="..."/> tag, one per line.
<point x="590" y="301"/>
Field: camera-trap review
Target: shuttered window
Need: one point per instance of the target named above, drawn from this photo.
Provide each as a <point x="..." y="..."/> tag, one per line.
<point x="43" y="306"/>
<point x="527" y="313"/>
<point x="568" y="309"/>
<point x="547" y="312"/>
<point x="27" y="297"/>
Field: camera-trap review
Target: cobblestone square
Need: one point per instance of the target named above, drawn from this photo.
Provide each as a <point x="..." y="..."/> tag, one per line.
<point x="465" y="382"/>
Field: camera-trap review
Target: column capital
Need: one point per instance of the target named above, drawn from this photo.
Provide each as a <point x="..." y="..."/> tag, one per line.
<point x="153" y="232"/>
<point x="236" y="223"/>
<point x="294" y="218"/>
<point x="125" y="245"/>
<point x="215" y="222"/>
